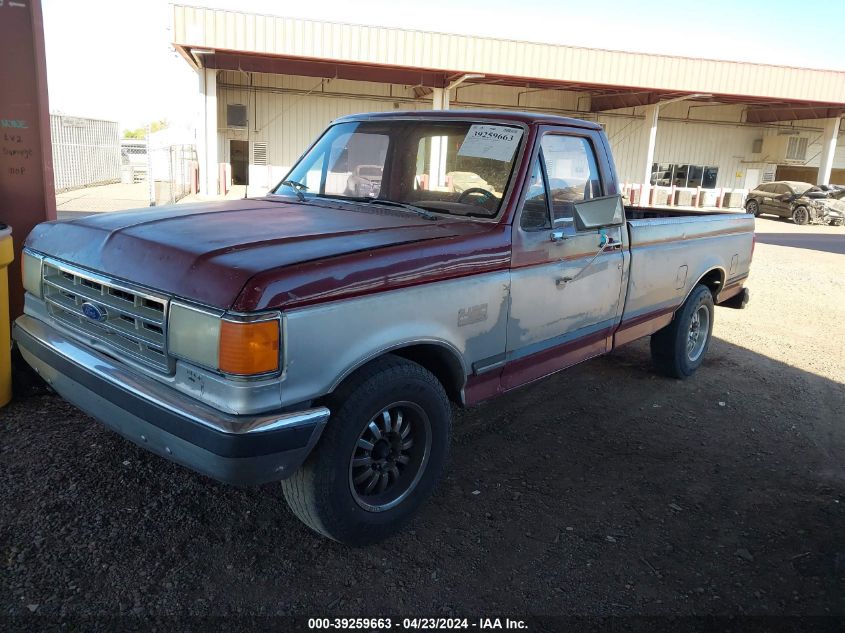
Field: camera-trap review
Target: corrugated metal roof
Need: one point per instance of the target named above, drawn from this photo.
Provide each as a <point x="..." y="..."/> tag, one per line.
<point x="294" y="37"/>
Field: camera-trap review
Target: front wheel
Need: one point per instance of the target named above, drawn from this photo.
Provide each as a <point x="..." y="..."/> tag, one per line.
<point x="801" y="216"/>
<point x="753" y="207"/>
<point x="679" y="349"/>
<point x="380" y="457"/>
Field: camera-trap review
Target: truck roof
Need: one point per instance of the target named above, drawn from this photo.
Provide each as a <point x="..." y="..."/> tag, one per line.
<point x="512" y="116"/>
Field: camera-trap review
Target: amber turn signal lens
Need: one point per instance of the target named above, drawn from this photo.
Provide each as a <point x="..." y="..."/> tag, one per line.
<point x="249" y="348"/>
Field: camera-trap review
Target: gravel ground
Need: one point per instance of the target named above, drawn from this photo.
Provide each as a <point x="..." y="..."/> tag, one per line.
<point x="605" y="490"/>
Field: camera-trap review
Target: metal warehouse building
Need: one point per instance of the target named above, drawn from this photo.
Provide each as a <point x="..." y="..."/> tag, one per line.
<point x="269" y="85"/>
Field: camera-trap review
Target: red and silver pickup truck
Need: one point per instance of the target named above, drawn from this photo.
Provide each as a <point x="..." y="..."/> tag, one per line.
<point x="316" y="336"/>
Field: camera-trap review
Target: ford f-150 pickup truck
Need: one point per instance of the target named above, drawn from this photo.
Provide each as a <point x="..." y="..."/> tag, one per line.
<point x="316" y="335"/>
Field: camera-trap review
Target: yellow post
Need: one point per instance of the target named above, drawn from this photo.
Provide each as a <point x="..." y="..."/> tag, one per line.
<point x="7" y="256"/>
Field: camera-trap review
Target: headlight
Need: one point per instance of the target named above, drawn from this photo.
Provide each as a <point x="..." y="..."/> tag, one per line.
<point x="31" y="273"/>
<point x="193" y="334"/>
<point x="240" y="346"/>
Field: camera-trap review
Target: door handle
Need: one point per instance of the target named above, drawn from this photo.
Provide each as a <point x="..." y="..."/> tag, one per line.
<point x="612" y="244"/>
<point x="558" y="236"/>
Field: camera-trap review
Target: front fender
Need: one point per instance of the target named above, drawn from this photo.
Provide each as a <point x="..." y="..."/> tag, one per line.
<point x="327" y="342"/>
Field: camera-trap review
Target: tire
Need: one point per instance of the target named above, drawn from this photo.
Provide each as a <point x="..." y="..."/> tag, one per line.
<point x="753" y="207"/>
<point x="801" y="216"/>
<point x="329" y="493"/>
<point x="673" y="349"/>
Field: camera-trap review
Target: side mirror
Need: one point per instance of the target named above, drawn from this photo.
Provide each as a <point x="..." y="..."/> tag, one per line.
<point x="597" y="213"/>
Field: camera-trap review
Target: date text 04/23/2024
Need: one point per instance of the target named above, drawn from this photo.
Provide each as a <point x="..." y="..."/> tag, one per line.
<point x="431" y="624"/>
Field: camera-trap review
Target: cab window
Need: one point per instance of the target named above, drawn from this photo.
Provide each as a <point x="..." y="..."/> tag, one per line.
<point x="572" y="174"/>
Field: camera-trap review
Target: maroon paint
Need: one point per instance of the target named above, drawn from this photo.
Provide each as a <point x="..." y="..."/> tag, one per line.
<point x="732" y="289"/>
<point x="469" y="248"/>
<point x="639" y="326"/>
<point x="294" y="253"/>
<point x="225" y="60"/>
<point x="483" y="387"/>
<point x="263" y="62"/>
<point x="524" y="370"/>
<point x="27" y="196"/>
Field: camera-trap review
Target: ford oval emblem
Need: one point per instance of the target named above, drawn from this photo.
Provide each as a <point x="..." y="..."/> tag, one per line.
<point x="94" y="312"/>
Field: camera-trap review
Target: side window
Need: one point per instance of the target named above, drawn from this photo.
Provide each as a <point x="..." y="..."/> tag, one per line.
<point x="535" y="211"/>
<point x="572" y="172"/>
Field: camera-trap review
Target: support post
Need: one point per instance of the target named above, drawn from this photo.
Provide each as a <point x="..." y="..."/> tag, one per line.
<point x="440" y="99"/>
<point x="649" y="138"/>
<point x="831" y="134"/>
<point x="27" y="193"/>
<point x="207" y="133"/>
<point x="151" y="183"/>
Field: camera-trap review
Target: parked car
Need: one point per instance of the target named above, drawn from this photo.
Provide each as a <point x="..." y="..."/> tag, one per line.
<point x="834" y="205"/>
<point x="365" y="181"/>
<point x="316" y="338"/>
<point x="800" y="201"/>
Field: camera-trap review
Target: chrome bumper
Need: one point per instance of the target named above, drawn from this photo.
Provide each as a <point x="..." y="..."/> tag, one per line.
<point x="236" y="449"/>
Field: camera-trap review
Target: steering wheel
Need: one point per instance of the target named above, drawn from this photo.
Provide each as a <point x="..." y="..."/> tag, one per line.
<point x="488" y="195"/>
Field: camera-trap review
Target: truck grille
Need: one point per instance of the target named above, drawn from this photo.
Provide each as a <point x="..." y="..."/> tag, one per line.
<point x="120" y="317"/>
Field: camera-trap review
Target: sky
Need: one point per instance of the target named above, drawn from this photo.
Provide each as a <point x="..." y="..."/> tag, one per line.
<point x="112" y="59"/>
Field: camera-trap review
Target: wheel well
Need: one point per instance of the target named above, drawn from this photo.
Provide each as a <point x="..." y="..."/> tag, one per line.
<point x="714" y="280"/>
<point x="441" y="362"/>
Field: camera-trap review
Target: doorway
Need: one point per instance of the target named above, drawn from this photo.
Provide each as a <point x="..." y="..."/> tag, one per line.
<point x="239" y="159"/>
<point x="752" y="179"/>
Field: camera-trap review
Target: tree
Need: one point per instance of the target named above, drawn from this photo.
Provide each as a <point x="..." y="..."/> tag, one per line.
<point x="141" y="132"/>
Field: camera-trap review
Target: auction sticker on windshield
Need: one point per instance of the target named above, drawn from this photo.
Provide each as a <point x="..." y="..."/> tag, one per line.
<point x="495" y="142"/>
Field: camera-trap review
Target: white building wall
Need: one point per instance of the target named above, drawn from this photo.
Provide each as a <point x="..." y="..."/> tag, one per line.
<point x="288" y="113"/>
<point x="697" y="134"/>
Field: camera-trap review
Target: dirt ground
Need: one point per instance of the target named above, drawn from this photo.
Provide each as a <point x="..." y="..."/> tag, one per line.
<point x="605" y="490"/>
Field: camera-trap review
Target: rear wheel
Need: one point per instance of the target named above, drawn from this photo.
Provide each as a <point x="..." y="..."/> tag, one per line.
<point x="380" y="457"/>
<point x="801" y="216"/>
<point x="753" y="207"/>
<point x="679" y="349"/>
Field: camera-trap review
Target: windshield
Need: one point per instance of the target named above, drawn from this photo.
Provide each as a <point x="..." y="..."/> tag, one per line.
<point x="459" y="168"/>
<point x="800" y="188"/>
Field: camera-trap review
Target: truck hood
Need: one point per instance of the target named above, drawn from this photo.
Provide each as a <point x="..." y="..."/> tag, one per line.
<point x="207" y="252"/>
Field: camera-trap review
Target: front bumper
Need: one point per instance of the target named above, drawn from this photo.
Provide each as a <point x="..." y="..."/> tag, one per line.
<point x="234" y="449"/>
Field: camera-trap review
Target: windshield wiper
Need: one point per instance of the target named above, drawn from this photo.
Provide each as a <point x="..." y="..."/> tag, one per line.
<point x="298" y="188"/>
<point x="428" y="215"/>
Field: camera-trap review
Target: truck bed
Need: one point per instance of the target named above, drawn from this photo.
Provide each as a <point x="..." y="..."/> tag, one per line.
<point x="647" y="213"/>
<point x="672" y="250"/>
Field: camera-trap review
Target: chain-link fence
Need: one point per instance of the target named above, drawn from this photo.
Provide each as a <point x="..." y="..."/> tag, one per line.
<point x="86" y="152"/>
<point x="172" y="169"/>
<point x="133" y="161"/>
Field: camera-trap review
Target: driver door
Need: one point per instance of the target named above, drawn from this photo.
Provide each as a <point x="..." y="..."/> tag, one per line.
<point x="565" y="282"/>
